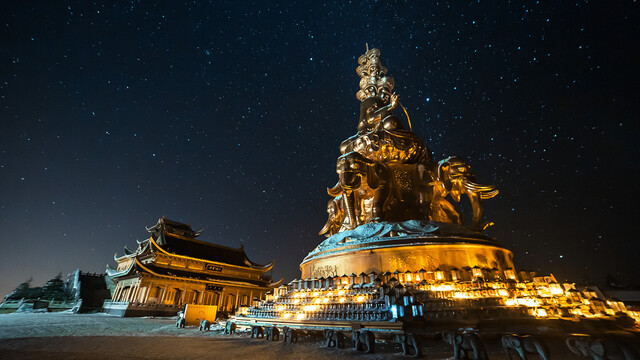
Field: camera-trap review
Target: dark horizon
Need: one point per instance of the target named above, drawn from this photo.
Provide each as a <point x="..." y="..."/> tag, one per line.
<point x="229" y="117"/>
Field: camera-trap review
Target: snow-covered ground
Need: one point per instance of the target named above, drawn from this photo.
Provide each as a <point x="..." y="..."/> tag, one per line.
<point x="98" y="336"/>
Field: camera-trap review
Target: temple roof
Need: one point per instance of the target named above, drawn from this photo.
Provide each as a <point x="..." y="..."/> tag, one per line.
<point x="179" y="239"/>
<point x="137" y="267"/>
<point x="173" y="227"/>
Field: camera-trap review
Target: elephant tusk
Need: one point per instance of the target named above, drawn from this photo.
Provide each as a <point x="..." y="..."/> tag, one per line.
<point x="325" y="228"/>
<point x="485" y="191"/>
<point x="335" y="191"/>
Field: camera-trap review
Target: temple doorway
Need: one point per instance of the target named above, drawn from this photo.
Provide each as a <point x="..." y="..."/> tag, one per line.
<point x="177" y="300"/>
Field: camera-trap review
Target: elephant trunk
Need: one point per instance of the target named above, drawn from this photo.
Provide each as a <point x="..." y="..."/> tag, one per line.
<point x="349" y="209"/>
<point x="476" y="207"/>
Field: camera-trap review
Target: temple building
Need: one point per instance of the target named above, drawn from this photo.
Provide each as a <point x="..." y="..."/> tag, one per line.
<point x="172" y="268"/>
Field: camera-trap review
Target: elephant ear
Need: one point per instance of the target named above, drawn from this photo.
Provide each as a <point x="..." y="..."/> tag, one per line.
<point x="458" y="339"/>
<point x="444" y="168"/>
<point x="516" y="342"/>
<point x="597" y="347"/>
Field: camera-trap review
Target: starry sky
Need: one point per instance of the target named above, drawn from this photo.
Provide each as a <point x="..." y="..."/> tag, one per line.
<point x="228" y="116"/>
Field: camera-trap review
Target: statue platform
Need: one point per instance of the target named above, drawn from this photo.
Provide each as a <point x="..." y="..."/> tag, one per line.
<point x="407" y="246"/>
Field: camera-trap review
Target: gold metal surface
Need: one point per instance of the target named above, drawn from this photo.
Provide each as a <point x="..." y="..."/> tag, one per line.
<point x="410" y="258"/>
<point x="386" y="173"/>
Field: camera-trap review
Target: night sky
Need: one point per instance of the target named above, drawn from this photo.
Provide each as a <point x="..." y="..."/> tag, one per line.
<point x="229" y="117"/>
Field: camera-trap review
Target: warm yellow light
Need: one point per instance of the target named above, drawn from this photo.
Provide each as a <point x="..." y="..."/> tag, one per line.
<point x="280" y="307"/>
<point x="325" y="300"/>
<point x="342" y="299"/>
<point x="341" y="292"/>
<point x="310" y="308"/>
<point x="408" y="277"/>
<point x="286" y="315"/>
<point x="417" y="278"/>
<point x="360" y="298"/>
<point x="527" y="302"/>
<point x="442" y="288"/>
<point x="296" y="301"/>
<point x="329" y="293"/>
<point x="610" y="311"/>
<point x="303" y="294"/>
<point x="317" y="300"/>
<point x="300" y="316"/>
<point x="556" y="289"/>
<point x="438" y="275"/>
<point x="315" y="294"/>
<point x="510" y="302"/>
<point x="541" y="312"/>
<point x="503" y="293"/>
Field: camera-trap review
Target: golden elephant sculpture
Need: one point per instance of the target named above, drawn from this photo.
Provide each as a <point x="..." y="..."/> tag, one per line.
<point x="454" y="178"/>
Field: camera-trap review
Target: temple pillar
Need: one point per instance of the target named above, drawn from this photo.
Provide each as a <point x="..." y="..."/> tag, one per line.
<point x="237" y="298"/>
<point x="184" y="294"/>
<point x="116" y="292"/>
<point x="220" y="297"/>
<point x="146" y="297"/>
<point x="164" y="293"/>
<point x="136" y="292"/>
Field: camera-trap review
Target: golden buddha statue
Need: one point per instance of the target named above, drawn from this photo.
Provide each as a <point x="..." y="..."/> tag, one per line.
<point x="392" y="207"/>
<point x="386" y="172"/>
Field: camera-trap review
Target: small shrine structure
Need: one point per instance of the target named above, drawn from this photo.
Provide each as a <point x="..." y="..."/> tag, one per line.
<point x="172" y="268"/>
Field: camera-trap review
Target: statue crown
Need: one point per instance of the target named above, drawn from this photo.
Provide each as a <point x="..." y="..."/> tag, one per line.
<point x="373" y="76"/>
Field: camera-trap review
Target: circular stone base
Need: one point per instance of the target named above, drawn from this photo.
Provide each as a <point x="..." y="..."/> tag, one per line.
<point x="427" y="246"/>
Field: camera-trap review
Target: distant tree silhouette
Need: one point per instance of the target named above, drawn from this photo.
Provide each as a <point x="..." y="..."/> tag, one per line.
<point x="54" y="289"/>
<point x="22" y="291"/>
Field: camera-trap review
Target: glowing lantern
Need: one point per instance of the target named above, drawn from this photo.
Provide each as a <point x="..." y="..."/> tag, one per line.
<point x="541" y="313"/>
<point x="476" y="271"/>
<point x="556" y="289"/>
<point x="510" y="274"/>
<point x="300" y="316"/>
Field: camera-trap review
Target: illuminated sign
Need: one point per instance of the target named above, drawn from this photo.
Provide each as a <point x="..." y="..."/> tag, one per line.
<point x="211" y="287"/>
<point x="210" y="267"/>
